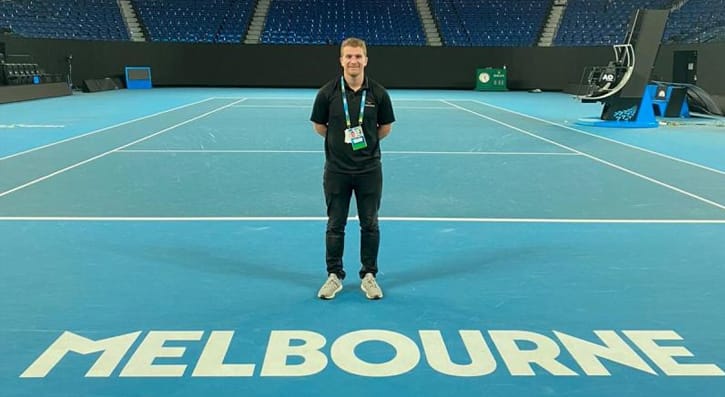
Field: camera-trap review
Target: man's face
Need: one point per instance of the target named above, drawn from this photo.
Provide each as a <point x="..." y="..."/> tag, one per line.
<point x="353" y="60"/>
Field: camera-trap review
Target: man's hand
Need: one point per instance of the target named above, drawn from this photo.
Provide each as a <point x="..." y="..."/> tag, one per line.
<point x="384" y="130"/>
<point x="321" y="129"/>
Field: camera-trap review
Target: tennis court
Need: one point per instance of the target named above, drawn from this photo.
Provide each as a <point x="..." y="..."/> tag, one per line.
<point x="171" y="242"/>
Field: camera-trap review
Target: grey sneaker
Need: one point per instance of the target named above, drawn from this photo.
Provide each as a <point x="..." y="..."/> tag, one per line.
<point x="370" y="287"/>
<point x="332" y="286"/>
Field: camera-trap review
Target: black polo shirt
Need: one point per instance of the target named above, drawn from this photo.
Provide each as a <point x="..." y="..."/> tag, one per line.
<point x="328" y="109"/>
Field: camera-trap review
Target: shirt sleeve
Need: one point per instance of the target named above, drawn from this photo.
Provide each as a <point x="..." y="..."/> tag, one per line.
<point x="320" y="109"/>
<point x="385" y="109"/>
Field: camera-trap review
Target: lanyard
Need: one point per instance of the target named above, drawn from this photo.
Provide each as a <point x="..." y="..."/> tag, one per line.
<point x="344" y="105"/>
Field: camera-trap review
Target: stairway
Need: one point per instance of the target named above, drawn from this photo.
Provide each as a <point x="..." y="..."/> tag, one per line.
<point x="432" y="36"/>
<point x="257" y="23"/>
<point x="546" y="39"/>
<point x="135" y="30"/>
<point x="677" y="4"/>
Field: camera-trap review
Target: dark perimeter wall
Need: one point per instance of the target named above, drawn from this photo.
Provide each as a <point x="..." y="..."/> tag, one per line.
<point x="710" y="67"/>
<point x="181" y="64"/>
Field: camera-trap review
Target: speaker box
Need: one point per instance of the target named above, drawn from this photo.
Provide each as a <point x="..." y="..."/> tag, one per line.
<point x="107" y="84"/>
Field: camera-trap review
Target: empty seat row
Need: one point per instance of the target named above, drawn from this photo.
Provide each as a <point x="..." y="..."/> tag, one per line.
<point x="600" y="22"/>
<point x="379" y="22"/>
<point x="489" y="22"/>
<point x="212" y="21"/>
<point x="81" y="19"/>
<point x="25" y="73"/>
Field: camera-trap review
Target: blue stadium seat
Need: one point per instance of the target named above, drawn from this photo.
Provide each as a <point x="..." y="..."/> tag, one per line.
<point x="698" y="21"/>
<point x="67" y="19"/>
<point x="489" y="22"/>
<point x="190" y="21"/>
<point x="599" y="22"/>
<point x="379" y="22"/>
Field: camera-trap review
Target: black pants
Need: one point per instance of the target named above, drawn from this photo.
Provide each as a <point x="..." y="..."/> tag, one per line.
<point x="368" y="189"/>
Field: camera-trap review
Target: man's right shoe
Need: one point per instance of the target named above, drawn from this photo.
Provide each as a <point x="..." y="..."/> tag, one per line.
<point x="370" y="287"/>
<point x="332" y="286"/>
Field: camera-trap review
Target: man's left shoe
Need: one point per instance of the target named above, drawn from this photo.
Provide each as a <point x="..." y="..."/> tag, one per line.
<point x="370" y="287"/>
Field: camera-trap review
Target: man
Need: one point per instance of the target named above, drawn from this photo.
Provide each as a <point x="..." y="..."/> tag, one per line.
<point x="353" y="113"/>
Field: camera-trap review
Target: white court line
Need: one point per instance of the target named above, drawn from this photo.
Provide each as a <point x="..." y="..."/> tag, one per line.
<point x="103" y="129"/>
<point x="50" y="331"/>
<point x="10" y="126"/>
<point x="310" y="107"/>
<point x="275" y="106"/>
<point x="322" y="219"/>
<point x="597" y="159"/>
<point x="604" y="138"/>
<point x="322" y="151"/>
<point x="424" y="108"/>
<point x="311" y="98"/>
<point x="70" y="167"/>
<point x="216" y="151"/>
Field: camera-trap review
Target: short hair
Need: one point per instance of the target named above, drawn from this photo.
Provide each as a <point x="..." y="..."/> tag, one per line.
<point x="354" y="42"/>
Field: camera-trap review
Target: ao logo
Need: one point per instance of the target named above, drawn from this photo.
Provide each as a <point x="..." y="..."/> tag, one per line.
<point x="484" y="77"/>
<point x="608" y="77"/>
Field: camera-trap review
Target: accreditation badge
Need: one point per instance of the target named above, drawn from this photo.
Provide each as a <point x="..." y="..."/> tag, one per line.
<point x="357" y="138"/>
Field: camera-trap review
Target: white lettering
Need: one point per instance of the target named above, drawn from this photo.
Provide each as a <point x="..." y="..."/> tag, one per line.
<point x="519" y="361"/>
<point x="211" y="361"/>
<point x="615" y="349"/>
<point x="662" y="355"/>
<point x="436" y="353"/>
<point x="299" y="353"/>
<point x="279" y="348"/>
<point x="113" y="351"/>
<point x="152" y="347"/>
<point x="406" y="356"/>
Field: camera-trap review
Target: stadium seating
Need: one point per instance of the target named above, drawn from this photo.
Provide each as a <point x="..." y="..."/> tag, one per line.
<point x="64" y="19"/>
<point x="698" y="21"/>
<point x="490" y="22"/>
<point x="379" y="22"/>
<point x="192" y="21"/>
<point x="600" y="22"/>
<point x="25" y="73"/>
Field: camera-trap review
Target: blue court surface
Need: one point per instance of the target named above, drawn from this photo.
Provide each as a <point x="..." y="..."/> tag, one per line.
<point x="170" y="242"/>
